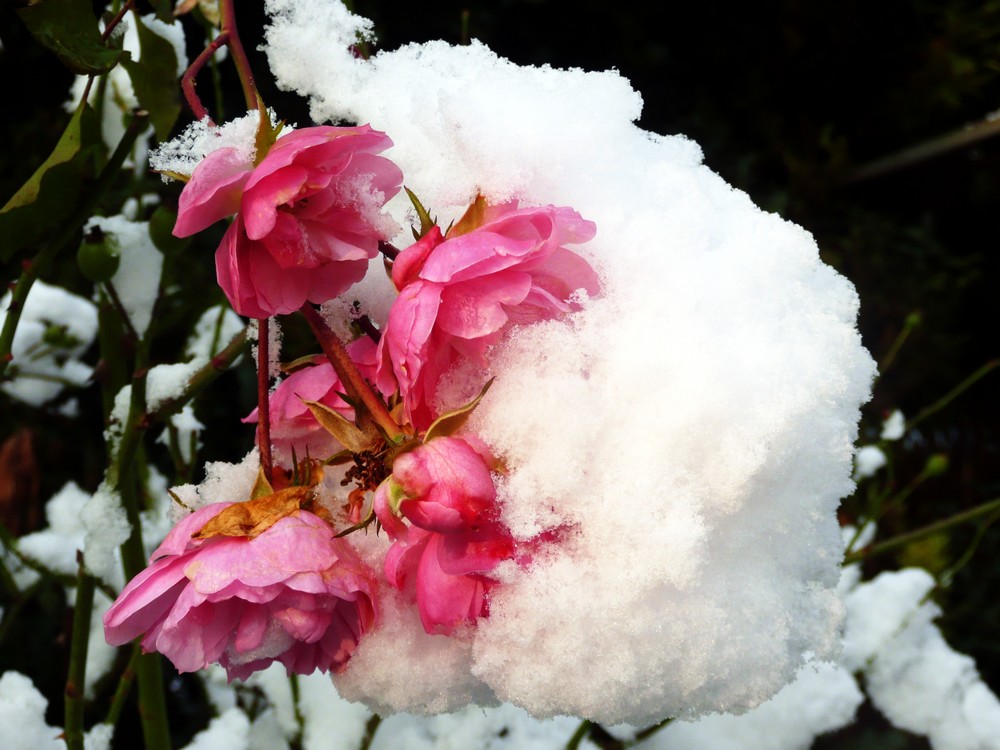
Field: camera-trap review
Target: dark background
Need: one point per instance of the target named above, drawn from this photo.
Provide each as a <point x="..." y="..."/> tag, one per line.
<point x="789" y="100"/>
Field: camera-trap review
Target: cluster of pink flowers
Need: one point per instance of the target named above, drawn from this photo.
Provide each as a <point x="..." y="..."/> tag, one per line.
<point x="308" y="218"/>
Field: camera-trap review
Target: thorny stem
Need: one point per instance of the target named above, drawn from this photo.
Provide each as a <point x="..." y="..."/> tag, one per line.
<point x="300" y="722"/>
<point x="229" y="37"/>
<point x="32" y="268"/>
<point x="351" y="379"/>
<point x="124" y="685"/>
<point x="371" y="726"/>
<point x="263" y="406"/>
<point x="122" y="312"/>
<point x="578" y="735"/>
<point x="202" y="378"/>
<point x="187" y="80"/>
<point x="152" y="702"/>
<point x="604" y="740"/>
<point x="925" y="531"/>
<point x="76" y="678"/>
<point x="911" y="323"/>
<point x="228" y="16"/>
<point x="112" y="24"/>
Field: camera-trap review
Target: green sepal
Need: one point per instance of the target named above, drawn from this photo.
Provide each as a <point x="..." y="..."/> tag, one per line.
<point x="50" y="195"/>
<point x="261" y="487"/>
<point x="299" y="363"/>
<point x="350" y="436"/>
<point x="453" y="421"/>
<point x="362" y="524"/>
<point x="154" y="79"/>
<point x="267" y="134"/>
<point x="68" y="29"/>
<point x="473" y="218"/>
<point x="426" y="222"/>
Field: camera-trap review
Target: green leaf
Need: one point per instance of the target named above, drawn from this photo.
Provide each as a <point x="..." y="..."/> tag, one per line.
<point x="154" y="78"/>
<point x="164" y="10"/>
<point x="51" y="194"/>
<point x="68" y="28"/>
<point x="453" y="421"/>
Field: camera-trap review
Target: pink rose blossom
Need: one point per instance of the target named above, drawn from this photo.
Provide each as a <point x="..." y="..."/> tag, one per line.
<point x="459" y="295"/>
<point x="309" y="216"/>
<point x="294" y="429"/>
<point x="445" y="490"/>
<point x="293" y="594"/>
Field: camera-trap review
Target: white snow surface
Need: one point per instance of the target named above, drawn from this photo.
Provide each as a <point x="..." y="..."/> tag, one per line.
<point x="867" y="461"/>
<point x="822" y="698"/>
<point x="137" y="279"/>
<point x="913" y="676"/>
<point x="42" y="369"/>
<point x="22" y="719"/>
<point x="894" y="426"/>
<point x="183" y="153"/>
<point x="690" y="432"/>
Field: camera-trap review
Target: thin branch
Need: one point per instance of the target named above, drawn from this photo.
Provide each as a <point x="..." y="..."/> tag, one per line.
<point x="202" y="378"/>
<point x="965" y="136"/>
<point x="954" y="393"/>
<point x="350" y="378"/>
<point x="263" y="402"/>
<point x="912" y="536"/>
<point x="76" y="679"/>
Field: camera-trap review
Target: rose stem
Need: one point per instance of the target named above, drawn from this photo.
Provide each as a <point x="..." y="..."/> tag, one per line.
<point x="351" y="379"/>
<point x="263" y="392"/>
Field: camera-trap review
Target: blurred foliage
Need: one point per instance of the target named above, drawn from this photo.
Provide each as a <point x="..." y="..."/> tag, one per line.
<point x="788" y="99"/>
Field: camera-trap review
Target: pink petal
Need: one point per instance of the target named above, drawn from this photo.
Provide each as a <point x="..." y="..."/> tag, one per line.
<point x="260" y="201"/>
<point x="446" y="601"/>
<point x="477" y="308"/>
<point x="408" y="264"/>
<point x="213" y="192"/>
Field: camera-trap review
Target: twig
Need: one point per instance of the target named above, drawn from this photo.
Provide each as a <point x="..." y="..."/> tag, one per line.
<point x="925" y="531"/>
<point x="965" y="136"/>
<point x="350" y="378"/>
<point x="954" y="393"/>
<point x="371" y="726"/>
<point x="263" y="402"/>
<point x="76" y="678"/>
<point x="202" y="378"/>
<point x="124" y="685"/>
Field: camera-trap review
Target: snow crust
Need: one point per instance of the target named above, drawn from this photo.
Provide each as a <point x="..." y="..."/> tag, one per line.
<point x="688" y="435"/>
<point x="182" y="154"/>
<point x="868" y="460"/>
<point x="55" y="329"/>
<point x="913" y="676"/>
<point x="22" y="719"/>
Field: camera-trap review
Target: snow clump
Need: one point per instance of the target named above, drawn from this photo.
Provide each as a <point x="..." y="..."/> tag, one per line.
<point x="687" y="437"/>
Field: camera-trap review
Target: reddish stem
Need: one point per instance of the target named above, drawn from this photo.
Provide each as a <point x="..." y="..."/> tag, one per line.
<point x="263" y="398"/>
<point x="355" y="385"/>
<point x="229" y="37"/>
<point x="188" y="82"/>
<point x="240" y="59"/>
<point x="116" y="20"/>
